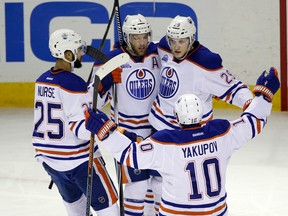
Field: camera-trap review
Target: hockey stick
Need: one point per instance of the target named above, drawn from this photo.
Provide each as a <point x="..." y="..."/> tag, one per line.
<point x="115" y="96"/>
<point x="103" y="40"/>
<point x="96" y="54"/>
<point x="104" y="70"/>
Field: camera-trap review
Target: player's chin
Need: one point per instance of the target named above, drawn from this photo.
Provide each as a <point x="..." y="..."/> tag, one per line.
<point x="140" y="52"/>
<point x="178" y="55"/>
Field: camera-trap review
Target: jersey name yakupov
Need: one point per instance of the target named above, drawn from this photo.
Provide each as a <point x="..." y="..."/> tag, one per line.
<point x="198" y="150"/>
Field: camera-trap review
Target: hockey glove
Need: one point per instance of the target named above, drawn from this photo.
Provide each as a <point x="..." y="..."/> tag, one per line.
<point x="131" y="135"/>
<point x="107" y="82"/>
<point x="98" y="123"/>
<point x="267" y="84"/>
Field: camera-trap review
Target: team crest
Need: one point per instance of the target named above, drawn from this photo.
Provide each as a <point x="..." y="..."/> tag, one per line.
<point x="169" y="82"/>
<point x="140" y="84"/>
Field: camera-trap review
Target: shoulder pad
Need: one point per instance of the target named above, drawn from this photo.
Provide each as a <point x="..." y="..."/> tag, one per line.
<point x="205" y="58"/>
<point x="74" y="83"/>
<point x="163" y="44"/>
<point x="216" y="127"/>
<point x="152" y="48"/>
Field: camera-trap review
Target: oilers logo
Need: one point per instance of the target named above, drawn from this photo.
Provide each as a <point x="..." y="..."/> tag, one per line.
<point x="140" y="84"/>
<point x="169" y="83"/>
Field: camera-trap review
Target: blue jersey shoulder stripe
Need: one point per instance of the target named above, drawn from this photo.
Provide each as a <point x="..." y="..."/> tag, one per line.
<point x="164" y="45"/>
<point x="212" y="129"/>
<point x="65" y="79"/>
<point x="152" y="49"/>
<point x="203" y="57"/>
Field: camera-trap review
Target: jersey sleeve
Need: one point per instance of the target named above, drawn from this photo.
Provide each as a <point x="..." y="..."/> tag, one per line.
<point x="250" y="124"/>
<point x="76" y="98"/>
<point x="143" y="155"/>
<point x="224" y="86"/>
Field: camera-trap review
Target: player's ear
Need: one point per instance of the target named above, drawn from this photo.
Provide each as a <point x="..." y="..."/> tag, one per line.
<point x="68" y="55"/>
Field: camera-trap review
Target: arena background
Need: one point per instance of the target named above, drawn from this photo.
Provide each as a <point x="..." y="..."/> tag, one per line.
<point x="245" y="33"/>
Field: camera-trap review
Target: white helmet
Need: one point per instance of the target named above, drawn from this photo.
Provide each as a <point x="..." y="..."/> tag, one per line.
<point x="62" y="40"/>
<point x="135" y="24"/>
<point x="181" y="27"/>
<point x="188" y="110"/>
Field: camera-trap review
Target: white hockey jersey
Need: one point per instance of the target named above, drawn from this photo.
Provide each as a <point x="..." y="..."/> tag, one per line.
<point x="59" y="136"/>
<point x="136" y="93"/>
<point x="200" y="73"/>
<point x="192" y="161"/>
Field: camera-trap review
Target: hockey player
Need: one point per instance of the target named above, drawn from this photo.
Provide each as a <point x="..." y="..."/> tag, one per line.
<point x="193" y="159"/>
<point x="189" y="67"/>
<point x="60" y="138"/>
<point x="138" y="82"/>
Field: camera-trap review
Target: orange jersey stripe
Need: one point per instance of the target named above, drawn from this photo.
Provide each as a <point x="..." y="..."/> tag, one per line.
<point x="124" y="176"/>
<point x="62" y="153"/>
<point x="258" y="125"/>
<point x="134" y="207"/>
<point x="159" y="111"/>
<point x="107" y="181"/>
<point x="133" y="121"/>
<point x="192" y="213"/>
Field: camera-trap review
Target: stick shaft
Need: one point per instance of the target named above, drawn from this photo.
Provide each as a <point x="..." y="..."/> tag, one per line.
<point x="115" y="96"/>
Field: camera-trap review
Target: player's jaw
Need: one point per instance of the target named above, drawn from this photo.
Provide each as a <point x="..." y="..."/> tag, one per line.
<point x="78" y="62"/>
<point x="179" y="47"/>
<point x="139" y="50"/>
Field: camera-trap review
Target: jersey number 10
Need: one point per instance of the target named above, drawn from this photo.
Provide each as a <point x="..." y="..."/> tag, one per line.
<point x="206" y="166"/>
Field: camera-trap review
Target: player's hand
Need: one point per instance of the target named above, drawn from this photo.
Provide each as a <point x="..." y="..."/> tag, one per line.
<point x="131" y="135"/>
<point x="109" y="80"/>
<point x="267" y="84"/>
<point x="98" y="123"/>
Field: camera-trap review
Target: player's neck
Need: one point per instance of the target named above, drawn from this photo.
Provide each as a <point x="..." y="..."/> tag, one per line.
<point x="61" y="64"/>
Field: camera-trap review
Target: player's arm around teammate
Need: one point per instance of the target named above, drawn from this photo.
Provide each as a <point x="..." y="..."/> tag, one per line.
<point x="181" y="155"/>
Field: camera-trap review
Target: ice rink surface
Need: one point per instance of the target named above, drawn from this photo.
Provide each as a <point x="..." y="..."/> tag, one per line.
<point x="257" y="178"/>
